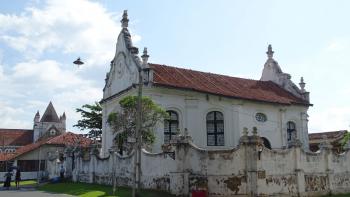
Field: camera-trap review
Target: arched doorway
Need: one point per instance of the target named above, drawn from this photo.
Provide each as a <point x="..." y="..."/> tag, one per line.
<point x="266" y="142"/>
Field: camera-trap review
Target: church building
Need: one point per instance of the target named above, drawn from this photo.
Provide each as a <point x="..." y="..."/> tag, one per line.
<point x="213" y="109"/>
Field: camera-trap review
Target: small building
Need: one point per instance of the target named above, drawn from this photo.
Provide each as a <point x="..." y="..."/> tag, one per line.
<point x="334" y="138"/>
<point x="41" y="151"/>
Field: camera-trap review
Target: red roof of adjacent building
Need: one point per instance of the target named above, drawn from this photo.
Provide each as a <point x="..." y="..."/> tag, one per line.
<point x="66" y="139"/>
<point x="70" y="139"/>
<point x="4" y="156"/>
<point x="255" y="90"/>
<point x="331" y="135"/>
<point x="15" y="137"/>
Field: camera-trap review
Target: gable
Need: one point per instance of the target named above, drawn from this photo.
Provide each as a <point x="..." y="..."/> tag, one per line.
<point x="123" y="70"/>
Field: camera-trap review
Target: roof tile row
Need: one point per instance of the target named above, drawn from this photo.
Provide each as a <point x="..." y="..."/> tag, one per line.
<point x="265" y="91"/>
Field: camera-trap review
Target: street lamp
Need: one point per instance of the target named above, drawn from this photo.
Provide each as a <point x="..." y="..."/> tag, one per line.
<point x="39" y="159"/>
<point x="78" y="62"/>
<point x="138" y="133"/>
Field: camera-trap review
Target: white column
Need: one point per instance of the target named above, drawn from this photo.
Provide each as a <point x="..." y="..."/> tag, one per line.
<point x="304" y="124"/>
<point x="283" y="131"/>
<point x="236" y="127"/>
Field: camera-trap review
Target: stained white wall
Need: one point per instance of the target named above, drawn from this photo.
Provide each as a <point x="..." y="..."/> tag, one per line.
<point x="230" y="172"/>
<point x="192" y="108"/>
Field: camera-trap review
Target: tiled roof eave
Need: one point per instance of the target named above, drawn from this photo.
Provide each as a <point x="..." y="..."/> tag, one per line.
<point x="230" y="96"/>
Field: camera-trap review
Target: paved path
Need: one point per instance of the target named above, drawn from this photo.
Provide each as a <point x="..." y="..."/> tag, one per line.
<point x="29" y="192"/>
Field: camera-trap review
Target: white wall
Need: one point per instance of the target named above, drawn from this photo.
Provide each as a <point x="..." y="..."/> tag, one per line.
<point x="230" y="172"/>
<point x="192" y="108"/>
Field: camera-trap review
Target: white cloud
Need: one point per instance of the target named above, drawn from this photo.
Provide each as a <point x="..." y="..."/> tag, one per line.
<point x="46" y="74"/>
<point x="330" y="119"/>
<point x="9" y="117"/>
<point x="326" y="75"/>
<point x="62" y="28"/>
<point x="80" y="27"/>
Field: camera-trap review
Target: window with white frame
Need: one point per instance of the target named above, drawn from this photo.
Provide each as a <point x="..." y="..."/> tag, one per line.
<point x="215" y="129"/>
<point x="171" y="125"/>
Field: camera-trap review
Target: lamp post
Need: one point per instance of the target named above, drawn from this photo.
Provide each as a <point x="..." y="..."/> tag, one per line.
<point x="137" y="146"/>
<point x="78" y="62"/>
<point x="39" y="159"/>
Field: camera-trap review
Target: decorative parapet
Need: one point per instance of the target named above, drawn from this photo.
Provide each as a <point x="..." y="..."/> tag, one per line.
<point x="184" y="138"/>
<point x="244" y="139"/>
<point x="168" y="150"/>
<point x="250" y="140"/>
<point x="295" y="143"/>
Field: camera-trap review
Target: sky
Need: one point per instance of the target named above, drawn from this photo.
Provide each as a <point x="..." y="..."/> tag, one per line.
<point x="40" y="39"/>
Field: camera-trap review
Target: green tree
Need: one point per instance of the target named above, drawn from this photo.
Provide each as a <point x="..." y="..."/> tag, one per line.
<point x="91" y="120"/>
<point x="123" y="122"/>
<point x="345" y="140"/>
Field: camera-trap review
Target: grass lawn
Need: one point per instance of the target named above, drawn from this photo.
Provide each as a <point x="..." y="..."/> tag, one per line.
<point x="341" y="195"/>
<point x="22" y="183"/>
<point x="94" y="190"/>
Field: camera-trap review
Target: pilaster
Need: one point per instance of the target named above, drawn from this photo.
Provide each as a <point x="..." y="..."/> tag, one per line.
<point x="300" y="174"/>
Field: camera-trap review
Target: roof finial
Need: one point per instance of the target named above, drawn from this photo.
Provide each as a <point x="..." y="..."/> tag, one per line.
<point x="145" y="56"/>
<point x="125" y="19"/>
<point x="269" y="51"/>
<point x="302" y="84"/>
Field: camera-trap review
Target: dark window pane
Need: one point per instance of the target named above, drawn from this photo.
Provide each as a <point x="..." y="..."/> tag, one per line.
<point x="215" y="129"/>
<point x="173" y="116"/>
<point x="221" y="140"/>
<point x="166" y="126"/>
<point x="210" y="128"/>
<point x="211" y="140"/>
<point x="171" y="126"/>
<point x="174" y="127"/>
<point x="219" y="116"/>
<point x="291" y="131"/>
<point x="31" y="165"/>
<point x="220" y="127"/>
<point x="210" y="116"/>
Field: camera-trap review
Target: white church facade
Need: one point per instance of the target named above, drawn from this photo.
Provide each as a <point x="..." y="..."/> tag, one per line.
<point x="212" y="140"/>
<point x="213" y="109"/>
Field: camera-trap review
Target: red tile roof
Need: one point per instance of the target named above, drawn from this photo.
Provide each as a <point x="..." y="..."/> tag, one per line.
<point x="265" y="91"/>
<point x="4" y="156"/>
<point x="15" y="137"/>
<point x="66" y="139"/>
<point x="332" y="135"/>
<point x="70" y="139"/>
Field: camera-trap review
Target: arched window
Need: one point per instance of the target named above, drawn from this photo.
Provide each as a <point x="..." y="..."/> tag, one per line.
<point x="266" y="142"/>
<point x="215" y="129"/>
<point x="291" y="131"/>
<point x="171" y="126"/>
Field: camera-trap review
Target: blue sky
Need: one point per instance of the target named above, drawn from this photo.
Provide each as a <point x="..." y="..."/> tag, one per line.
<point x="40" y="39"/>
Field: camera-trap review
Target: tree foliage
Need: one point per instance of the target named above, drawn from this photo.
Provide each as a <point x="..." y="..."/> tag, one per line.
<point x="345" y="140"/>
<point x="91" y="119"/>
<point x="123" y="122"/>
